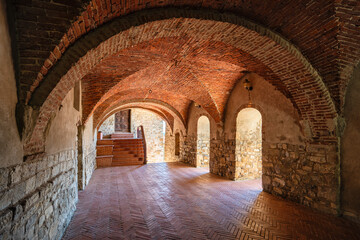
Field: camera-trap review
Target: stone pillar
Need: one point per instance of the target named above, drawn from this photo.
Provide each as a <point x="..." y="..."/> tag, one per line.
<point x="80" y="158"/>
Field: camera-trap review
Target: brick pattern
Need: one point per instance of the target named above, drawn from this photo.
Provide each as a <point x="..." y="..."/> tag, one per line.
<point x="165" y="111"/>
<point x="298" y="75"/>
<point x="196" y="78"/>
<point x="311" y="23"/>
<point x="174" y="201"/>
<point x="348" y="13"/>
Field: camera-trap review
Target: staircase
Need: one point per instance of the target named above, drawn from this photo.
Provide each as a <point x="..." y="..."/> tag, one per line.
<point x="120" y="149"/>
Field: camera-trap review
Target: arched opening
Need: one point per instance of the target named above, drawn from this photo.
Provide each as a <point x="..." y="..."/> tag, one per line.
<point x="248" y="144"/>
<point x="203" y="142"/>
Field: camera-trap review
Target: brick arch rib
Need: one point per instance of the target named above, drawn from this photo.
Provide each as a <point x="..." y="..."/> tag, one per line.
<point x="158" y="113"/>
<point x="299" y="72"/>
<point x="167" y="108"/>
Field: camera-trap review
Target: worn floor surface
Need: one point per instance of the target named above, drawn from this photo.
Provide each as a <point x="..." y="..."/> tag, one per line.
<point x="174" y="201"/>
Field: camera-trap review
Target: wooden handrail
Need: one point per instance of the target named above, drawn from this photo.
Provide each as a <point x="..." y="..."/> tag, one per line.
<point x="141" y="135"/>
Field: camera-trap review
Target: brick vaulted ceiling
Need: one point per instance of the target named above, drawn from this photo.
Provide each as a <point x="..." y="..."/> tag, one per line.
<point x="195" y="52"/>
<point x="325" y="31"/>
<point x="174" y="70"/>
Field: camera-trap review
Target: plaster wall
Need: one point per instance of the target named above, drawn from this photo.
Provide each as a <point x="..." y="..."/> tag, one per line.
<point x="350" y="150"/>
<point x="11" y="147"/>
<point x="292" y="165"/>
<point x="62" y="134"/>
<point x="89" y="150"/>
<point x="280" y="118"/>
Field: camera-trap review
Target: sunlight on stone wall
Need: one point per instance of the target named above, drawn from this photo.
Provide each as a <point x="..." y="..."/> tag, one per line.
<point x="154" y="133"/>
<point x="108" y="126"/>
<point x="203" y="142"/>
<point x="248" y="144"/>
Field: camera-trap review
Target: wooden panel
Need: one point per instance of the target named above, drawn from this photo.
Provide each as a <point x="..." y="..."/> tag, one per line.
<point x="122" y="121"/>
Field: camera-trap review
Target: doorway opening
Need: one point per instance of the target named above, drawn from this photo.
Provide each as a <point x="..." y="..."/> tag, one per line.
<point x="203" y="142"/>
<point x="248" y="144"/>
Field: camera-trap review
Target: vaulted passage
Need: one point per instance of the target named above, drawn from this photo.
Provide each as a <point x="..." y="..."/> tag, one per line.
<point x="259" y="100"/>
<point x="174" y="201"/>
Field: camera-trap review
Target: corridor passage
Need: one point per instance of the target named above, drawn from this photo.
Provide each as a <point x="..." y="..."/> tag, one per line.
<point x="174" y="201"/>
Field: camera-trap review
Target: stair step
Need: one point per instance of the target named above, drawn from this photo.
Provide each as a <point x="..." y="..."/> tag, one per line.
<point x="136" y="159"/>
<point x="120" y="149"/>
<point x="124" y="155"/>
<point x="125" y="164"/>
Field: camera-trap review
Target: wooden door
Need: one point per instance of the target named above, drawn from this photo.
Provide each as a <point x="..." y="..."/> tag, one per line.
<point x="122" y="121"/>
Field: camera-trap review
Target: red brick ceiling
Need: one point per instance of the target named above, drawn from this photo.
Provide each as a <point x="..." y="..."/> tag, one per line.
<point x="325" y="31"/>
<point x="158" y="109"/>
<point x="168" y="100"/>
<point x="203" y="73"/>
<point x="193" y="48"/>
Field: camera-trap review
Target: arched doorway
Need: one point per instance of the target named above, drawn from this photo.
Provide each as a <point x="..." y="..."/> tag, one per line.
<point x="203" y="142"/>
<point x="248" y="144"/>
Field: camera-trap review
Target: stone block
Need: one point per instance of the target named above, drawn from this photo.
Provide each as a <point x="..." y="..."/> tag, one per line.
<point x="277" y="190"/>
<point x="40" y="179"/>
<point x="48" y="211"/>
<point x="18" y="231"/>
<point x="15" y="174"/>
<point x="30" y="185"/>
<point x="28" y="170"/>
<point x="5" y="199"/>
<point x="55" y="170"/>
<point x="29" y="227"/>
<point x="4" y="178"/>
<point x="317" y="159"/>
<point x="281" y="182"/>
<point x="5" y="219"/>
<point x="53" y="231"/>
<point x="18" y="192"/>
<point x="41" y="165"/>
<point x="29" y="201"/>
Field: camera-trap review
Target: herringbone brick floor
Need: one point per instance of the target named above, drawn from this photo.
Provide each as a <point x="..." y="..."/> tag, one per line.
<point x="174" y="201"/>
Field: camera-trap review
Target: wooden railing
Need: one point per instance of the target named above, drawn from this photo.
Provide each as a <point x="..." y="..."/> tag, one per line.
<point x="141" y="135"/>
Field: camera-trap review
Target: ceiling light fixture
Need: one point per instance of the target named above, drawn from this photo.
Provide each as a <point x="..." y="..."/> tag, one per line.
<point x="248" y="86"/>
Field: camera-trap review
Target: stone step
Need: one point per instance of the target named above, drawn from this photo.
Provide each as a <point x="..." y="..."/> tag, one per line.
<point x="125" y="164"/>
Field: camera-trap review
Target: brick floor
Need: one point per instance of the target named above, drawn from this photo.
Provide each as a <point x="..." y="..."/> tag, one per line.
<point x="174" y="201"/>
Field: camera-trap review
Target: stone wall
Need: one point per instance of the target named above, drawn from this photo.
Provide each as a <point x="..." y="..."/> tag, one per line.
<point x="170" y="146"/>
<point x="108" y="126"/>
<point x="222" y="155"/>
<point x="188" y="151"/>
<point x="202" y="152"/>
<point x="86" y="153"/>
<point x="154" y="134"/>
<point x="37" y="198"/>
<point x="293" y="168"/>
<point x="302" y="173"/>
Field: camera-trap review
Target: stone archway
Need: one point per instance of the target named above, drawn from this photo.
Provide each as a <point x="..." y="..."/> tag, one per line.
<point x="203" y="142"/>
<point x="248" y="144"/>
